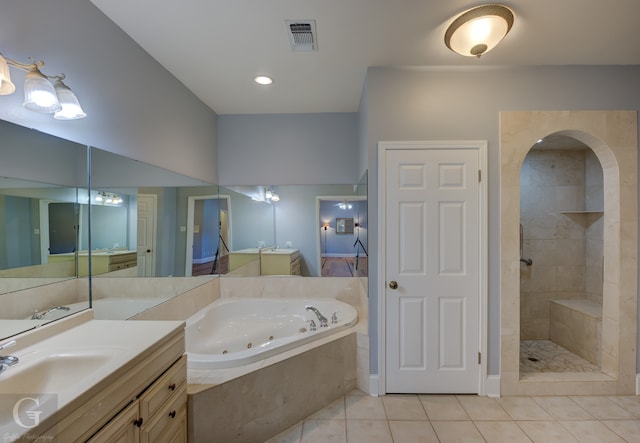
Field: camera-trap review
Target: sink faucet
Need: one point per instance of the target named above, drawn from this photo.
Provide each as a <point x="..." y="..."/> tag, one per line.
<point x="321" y="318"/>
<point x="7" y="360"/>
<point x="37" y="316"/>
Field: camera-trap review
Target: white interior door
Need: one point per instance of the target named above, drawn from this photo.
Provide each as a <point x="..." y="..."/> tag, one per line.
<point x="432" y="270"/>
<point x="146" y="235"/>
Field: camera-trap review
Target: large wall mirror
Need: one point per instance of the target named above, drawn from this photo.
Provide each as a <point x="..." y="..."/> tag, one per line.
<point x="43" y="195"/>
<point x="132" y="220"/>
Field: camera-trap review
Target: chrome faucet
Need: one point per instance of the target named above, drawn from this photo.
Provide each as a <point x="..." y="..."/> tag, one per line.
<point x="321" y="318"/>
<point x="37" y="316"/>
<point x="7" y="360"/>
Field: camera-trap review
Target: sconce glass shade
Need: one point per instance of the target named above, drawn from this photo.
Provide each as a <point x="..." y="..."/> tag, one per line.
<point x="39" y="94"/>
<point x="479" y="30"/>
<point x="71" y="109"/>
<point x="6" y="85"/>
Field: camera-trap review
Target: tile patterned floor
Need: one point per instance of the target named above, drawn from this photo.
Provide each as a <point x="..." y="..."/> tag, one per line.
<point x="546" y="356"/>
<point x="358" y="417"/>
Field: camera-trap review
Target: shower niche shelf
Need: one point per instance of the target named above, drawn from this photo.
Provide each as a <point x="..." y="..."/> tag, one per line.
<point x="585" y="218"/>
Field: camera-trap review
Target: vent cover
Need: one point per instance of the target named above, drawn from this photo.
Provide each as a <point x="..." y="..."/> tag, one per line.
<point x="302" y="35"/>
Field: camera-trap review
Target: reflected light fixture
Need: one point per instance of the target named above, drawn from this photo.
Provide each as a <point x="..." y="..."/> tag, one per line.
<point x="39" y="94"/>
<point x="479" y="29"/>
<point x="270" y="196"/>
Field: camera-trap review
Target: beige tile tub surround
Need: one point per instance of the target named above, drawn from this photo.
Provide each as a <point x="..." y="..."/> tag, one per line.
<point x="612" y="135"/>
<point x="259" y="405"/>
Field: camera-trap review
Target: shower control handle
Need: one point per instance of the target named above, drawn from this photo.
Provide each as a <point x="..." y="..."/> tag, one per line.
<point x="393" y="285"/>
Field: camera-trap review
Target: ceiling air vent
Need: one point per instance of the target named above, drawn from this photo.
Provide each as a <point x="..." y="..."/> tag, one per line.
<point x="302" y="35"/>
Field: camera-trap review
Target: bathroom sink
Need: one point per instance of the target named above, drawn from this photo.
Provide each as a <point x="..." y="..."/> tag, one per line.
<point x="54" y="371"/>
<point x="44" y="380"/>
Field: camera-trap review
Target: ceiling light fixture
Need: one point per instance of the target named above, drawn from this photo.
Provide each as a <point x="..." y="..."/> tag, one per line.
<point x="479" y="29"/>
<point x="39" y="94"/>
<point x="263" y="80"/>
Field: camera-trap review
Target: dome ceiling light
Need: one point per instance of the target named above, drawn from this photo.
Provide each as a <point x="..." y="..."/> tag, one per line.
<point x="479" y="29"/>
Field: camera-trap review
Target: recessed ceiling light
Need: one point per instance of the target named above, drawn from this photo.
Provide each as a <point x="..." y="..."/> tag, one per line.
<point x="263" y="80"/>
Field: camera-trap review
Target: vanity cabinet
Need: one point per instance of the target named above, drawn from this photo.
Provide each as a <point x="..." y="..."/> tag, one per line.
<point x="280" y="262"/>
<point x="145" y="400"/>
<point x="103" y="262"/>
<point x="157" y="415"/>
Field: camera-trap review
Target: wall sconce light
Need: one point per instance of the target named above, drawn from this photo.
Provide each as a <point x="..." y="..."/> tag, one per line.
<point x="107" y="198"/>
<point x="270" y="196"/>
<point x="39" y="94"/>
<point x="479" y="29"/>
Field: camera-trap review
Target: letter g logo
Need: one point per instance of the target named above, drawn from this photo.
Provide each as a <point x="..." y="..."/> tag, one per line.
<point x="33" y="415"/>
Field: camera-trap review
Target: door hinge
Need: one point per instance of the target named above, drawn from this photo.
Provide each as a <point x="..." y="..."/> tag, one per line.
<point x="479" y="357"/>
<point x="479" y="175"/>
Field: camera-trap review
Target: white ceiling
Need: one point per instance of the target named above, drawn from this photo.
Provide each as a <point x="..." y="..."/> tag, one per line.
<point x="216" y="47"/>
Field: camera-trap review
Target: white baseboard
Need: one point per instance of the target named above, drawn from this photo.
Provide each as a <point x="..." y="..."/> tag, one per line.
<point x="374" y="385"/>
<point x="492" y="386"/>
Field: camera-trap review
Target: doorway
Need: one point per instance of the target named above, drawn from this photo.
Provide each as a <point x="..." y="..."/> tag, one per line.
<point x="561" y="225"/>
<point x="612" y="136"/>
<point x="343" y="235"/>
<point x="208" y="235"/>
<point x="433" y="273"/>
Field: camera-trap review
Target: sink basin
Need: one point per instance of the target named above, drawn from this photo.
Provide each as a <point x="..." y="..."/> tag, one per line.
<point x="44" y="380"/>
<point x="54" y="371"/>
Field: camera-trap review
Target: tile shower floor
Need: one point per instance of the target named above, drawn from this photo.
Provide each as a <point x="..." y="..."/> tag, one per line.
<point x="546" y="356"/>
<point x="357" y="417"/>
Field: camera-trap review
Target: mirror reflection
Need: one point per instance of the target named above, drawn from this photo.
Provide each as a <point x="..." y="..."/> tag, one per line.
<point x="138" y="221"/>
<point x="43" y="188"/>
<point x="292" y="234"/>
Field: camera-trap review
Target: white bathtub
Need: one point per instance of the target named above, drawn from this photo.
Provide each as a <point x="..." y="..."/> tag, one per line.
<point x="233" y="332"/>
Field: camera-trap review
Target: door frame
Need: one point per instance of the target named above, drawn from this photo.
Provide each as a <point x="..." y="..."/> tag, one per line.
<point x="481" y="147"/>
<point x="191" y="203"/>
<point x="319" y="199"/>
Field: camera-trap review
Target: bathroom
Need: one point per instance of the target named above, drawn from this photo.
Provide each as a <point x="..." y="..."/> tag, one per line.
<point x="347" y="141"/>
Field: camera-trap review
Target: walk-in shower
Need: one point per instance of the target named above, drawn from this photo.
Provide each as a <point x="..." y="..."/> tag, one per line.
<point x="561" y="252"/>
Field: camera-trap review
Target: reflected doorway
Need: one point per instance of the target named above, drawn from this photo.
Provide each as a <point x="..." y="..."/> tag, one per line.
<point x="343" y="236"/>
<point x="208" y="235"/>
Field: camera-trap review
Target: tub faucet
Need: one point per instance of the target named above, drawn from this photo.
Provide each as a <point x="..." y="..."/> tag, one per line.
<point x="7" y="360"/>
<point x="321" y="318"/>
<point x="37" y="316"/>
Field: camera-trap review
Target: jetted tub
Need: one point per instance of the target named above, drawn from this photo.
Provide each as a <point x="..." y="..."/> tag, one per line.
<point x="233" y="332"/>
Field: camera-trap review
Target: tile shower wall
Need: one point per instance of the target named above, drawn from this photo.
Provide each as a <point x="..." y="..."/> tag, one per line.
<point x="566" y="249"/>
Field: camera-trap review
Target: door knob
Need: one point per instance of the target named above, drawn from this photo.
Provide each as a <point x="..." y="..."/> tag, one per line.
<point x="393" y="284"/>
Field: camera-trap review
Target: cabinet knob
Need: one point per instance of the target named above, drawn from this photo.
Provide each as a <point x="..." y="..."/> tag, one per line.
<point x="138" y="422"/>
<point x="172" y="387"/>
<point x="172" y="414"/>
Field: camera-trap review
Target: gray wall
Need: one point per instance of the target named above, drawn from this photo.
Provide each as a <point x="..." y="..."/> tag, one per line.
<point x="288" y="149"/>
<point x="464" y="104"/>
<point x="135" y="107"/>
